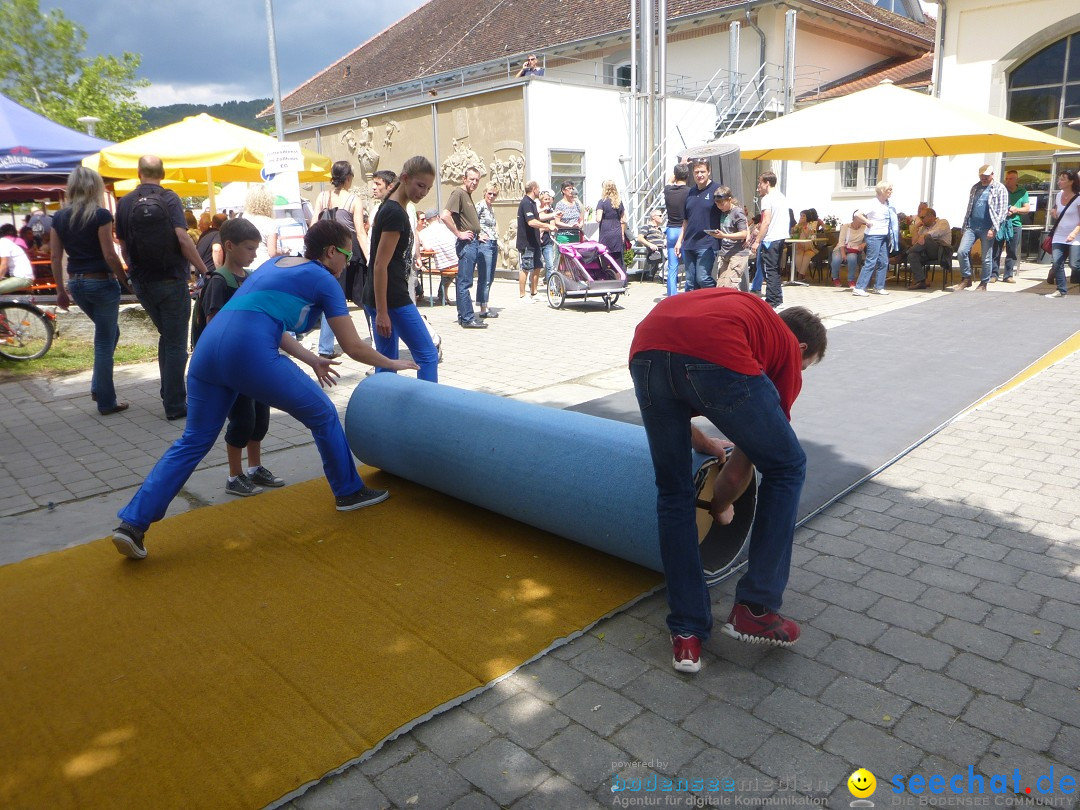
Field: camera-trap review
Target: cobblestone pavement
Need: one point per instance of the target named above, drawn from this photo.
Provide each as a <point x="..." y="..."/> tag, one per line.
<point x="940" y="602"/>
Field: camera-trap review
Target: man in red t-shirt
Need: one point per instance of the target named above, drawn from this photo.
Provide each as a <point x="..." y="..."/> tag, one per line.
<point x="728" y="356"/>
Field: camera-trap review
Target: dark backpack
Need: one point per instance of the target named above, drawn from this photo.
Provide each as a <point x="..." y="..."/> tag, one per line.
<point x="199" y="323"/>
<point x="151" y="238"/>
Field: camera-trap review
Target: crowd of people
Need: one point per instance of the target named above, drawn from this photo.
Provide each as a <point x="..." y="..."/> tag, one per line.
<point x="712" y="238"/>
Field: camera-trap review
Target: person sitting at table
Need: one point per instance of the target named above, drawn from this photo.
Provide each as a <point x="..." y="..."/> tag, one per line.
<point x="850" y="246"/>
<point x="806" y="228"/>
<point x="435" y="236"/>
<point x="653" y="237"/>
<point x="926" y="246"/>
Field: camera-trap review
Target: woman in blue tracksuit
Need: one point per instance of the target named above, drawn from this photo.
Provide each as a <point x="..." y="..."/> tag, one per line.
<point x="238" y="353"/>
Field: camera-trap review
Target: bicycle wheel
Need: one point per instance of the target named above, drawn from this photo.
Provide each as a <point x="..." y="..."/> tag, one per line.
<point x="25" y="332"/>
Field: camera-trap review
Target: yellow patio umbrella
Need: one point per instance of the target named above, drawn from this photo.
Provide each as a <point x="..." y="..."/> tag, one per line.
<point x="202" y="149"/>
<point x="887" y="121"/>
<point x="185" y="188"/>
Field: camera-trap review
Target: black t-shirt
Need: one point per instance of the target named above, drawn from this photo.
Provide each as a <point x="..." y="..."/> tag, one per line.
<point x="528" y="237"/>
<point x="205" y="246"/>
<point x="675" y="202"/>
<point x="391" y="218"/>
<point x="81" y="242"/>
<point x="218" y="292"/>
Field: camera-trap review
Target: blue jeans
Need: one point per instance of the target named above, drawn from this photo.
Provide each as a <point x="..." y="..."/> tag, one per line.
<point x="467" y="254"/>
<point x="759" y="272"/>
<point x="673" y="235"/>
<point x="169" y="307"/>
<point x="699" y="264"/>
<point x="1060" y="252"/>
<point x="326" y="337"/>
<point x="408" y="325"/>
<point x="550" y="253"/>
<point x="770" y="253"/>
<point x="964" y="252"/>
<point x="487" y="254"/>
<point x="836" y="259"/>
<point x="100" y="300"/>
<point x="877" y="261"/>
<point x="1012" y="253"/>
<point x="670" y="389"/>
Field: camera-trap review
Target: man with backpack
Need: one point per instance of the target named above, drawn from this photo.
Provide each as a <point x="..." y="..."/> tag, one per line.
<point x="158" y="251"/>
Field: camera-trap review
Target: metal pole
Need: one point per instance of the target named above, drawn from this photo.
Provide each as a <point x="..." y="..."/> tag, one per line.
<point x="661" y="89"/>
<point x="734" y="31"/>
<point x="649" y="104"/>
<point x="939" y="59"/>
<point x="635" y="134"/>
<point x="279" y="121"/>
<point x="789" y="81"/>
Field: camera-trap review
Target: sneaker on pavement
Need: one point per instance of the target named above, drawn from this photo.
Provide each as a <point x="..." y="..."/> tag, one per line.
<point x="768" y="628"/>
<point x="963" y="284"/>
<point x="836" y="282"/>
<point x="242" y="485"/>
<point x="128" y="540"/>
<point x="262" y="477"/>
<point x="1055" y="294"/>
<point x="360" y="499"/>
<point x="857" y="291"/>
<point x="686" y="653"/>
<point x="882" y="291"/>
<point x="1009" y="280"/>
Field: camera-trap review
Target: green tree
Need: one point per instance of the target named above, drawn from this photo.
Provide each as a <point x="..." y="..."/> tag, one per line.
<point x="43" y="67"/>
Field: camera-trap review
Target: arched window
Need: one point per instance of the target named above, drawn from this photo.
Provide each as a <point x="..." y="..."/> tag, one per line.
<point x="1044" y="94"/>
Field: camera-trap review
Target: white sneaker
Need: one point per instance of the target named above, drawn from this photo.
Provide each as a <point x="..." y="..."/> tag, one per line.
<point x="534" y="299"/>
<point x="857" y="291"/>
<point x="882" y="291"/>
<point x="1055" y="294"/>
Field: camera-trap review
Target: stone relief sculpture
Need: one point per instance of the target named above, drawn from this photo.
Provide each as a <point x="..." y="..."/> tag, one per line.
<point x="509" y="175"/>
<point x="511" y="259"/>
<point x="360" y="145"/>
<point x="392" y="128"/>
<point x="464" y="157"/>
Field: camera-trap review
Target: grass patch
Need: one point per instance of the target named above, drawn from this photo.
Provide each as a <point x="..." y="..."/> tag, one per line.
<point x="67" y="356"/>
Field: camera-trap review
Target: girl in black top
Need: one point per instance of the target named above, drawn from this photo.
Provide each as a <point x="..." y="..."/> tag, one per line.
<point x="386" y="294"/>
<point x="83" y="229"/>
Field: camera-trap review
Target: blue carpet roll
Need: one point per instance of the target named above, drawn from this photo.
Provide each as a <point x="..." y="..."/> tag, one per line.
<point x="581" y="477"/>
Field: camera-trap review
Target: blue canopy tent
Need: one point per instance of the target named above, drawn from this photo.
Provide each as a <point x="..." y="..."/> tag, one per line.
<point x="36" y="153"/>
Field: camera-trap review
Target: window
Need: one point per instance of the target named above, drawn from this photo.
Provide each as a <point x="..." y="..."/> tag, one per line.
<point x="1044" y="94"/>
<point x="858" y="175"/>
<point x="567" y="165"/>
<point x="622" y="76"/>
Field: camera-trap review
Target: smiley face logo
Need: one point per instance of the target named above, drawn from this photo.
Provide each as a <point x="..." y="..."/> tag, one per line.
<point x="862" y="783"/>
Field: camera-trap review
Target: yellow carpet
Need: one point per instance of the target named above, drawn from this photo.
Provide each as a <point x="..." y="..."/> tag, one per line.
<point x="268" y="641"/>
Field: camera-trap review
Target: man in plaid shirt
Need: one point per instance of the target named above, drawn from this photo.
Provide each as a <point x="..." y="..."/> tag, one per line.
<point x="988" y="205"/>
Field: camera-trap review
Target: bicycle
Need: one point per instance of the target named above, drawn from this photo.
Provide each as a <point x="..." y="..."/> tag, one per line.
<point x="26" y="330"/>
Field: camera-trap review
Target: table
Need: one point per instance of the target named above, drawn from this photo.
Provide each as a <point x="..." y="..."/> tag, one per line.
<point x="1025" y="230"/>
<point x="792" y="250"/>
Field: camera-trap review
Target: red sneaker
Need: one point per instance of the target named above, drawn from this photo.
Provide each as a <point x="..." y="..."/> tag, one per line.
<point x="851" y="283"/>
<point x="686" y="653"/>
<point x="769" y="628"/>
<point x="836" y="282"/>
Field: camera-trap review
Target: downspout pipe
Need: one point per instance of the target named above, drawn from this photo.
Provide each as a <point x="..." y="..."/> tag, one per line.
<point x="939" y="60"/>
<point x="761" y="36"/>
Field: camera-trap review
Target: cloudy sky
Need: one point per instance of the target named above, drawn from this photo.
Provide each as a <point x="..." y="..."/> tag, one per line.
<point x="207" y="51"/>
